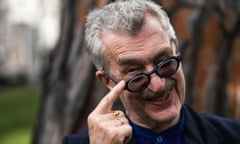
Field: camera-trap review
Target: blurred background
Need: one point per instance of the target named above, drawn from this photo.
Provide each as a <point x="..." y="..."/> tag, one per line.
<point x="48" y="85"/>
<point x="29" y="30"/>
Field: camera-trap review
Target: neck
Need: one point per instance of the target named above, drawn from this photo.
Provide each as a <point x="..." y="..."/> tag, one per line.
<point x="156" y="126"/>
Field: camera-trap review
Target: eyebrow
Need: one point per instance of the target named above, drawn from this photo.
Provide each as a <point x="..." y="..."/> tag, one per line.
<point x="166" y="52"/>
<point x="129" y="61"/>
<point x="163" y="53"/>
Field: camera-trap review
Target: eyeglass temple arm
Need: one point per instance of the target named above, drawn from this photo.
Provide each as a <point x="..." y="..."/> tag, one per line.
<point x="179" y="57"/>
<point x="110" y="77"/>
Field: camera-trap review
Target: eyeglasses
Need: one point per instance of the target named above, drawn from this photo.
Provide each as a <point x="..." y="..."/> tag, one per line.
<point x="164" y="69"/>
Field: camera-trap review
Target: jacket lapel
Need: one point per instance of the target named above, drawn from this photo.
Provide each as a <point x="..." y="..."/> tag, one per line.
<point x="198" y="130"/>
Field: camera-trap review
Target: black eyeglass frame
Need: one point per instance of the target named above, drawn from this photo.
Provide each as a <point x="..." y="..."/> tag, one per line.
<point x="148" y="74"/>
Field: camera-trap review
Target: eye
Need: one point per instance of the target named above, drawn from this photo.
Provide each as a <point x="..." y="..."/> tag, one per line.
<point x="163" y="61"/>
<point x="130" y="70"/>
<point x="166" y="64"/>
<point x="159" y="62"/>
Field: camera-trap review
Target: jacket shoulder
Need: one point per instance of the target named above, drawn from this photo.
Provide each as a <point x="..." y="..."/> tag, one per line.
<point x="225" y="126"/>
<point x="81" y="137"/>
<point x="209" y="127"/>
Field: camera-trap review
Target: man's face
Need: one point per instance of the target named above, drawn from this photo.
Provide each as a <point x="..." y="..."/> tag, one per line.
<point x="158" y="106"/>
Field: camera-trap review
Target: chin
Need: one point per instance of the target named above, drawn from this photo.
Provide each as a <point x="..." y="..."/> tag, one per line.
<point x="170" y="116"/>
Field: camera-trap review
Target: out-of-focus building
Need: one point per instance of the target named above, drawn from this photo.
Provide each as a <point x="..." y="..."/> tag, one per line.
<point x="29" y="30"/>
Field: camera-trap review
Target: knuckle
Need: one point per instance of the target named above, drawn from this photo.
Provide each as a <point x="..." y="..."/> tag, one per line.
<point x="121" y="113"/>
<point x="92" y="118"/>
<point x="128" y="128"/>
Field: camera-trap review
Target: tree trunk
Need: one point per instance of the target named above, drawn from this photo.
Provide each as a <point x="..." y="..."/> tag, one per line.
<point x="209" y="38"/>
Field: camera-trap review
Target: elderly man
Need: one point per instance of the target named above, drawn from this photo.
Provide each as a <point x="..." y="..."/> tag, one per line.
<point x="134" y="49"/>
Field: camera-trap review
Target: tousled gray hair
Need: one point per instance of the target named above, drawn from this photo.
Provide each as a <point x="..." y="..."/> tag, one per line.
<point x="128" y="16"/>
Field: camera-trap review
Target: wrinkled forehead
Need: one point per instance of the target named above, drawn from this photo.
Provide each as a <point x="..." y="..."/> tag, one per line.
<point x="149" y="43"/>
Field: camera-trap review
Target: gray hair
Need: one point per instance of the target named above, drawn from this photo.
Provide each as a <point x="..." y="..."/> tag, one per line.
<point x="128" y="16"/>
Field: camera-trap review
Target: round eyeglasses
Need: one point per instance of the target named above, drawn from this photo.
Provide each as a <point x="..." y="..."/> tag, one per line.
<point x="164" y="69"/>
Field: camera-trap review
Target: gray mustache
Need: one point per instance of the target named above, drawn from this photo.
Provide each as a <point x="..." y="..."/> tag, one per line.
<point x="150" y="95"/>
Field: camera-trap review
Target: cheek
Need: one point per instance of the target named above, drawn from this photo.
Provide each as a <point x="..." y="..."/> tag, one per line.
<point x="129" y="100"/>
<point x="181" y="85"/>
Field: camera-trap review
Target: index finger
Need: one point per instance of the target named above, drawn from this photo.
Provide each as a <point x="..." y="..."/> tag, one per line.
<point x="105" y="105"/>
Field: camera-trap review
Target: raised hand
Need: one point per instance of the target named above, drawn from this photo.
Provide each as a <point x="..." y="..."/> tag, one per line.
<point x="107" y="126"/>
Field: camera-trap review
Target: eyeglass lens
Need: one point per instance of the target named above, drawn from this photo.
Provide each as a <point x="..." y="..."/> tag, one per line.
<point x="167" y="68"/>
<point x="138" y="82"/>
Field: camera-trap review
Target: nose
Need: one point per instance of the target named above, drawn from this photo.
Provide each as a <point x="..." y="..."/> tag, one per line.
<point x="156" y="83"/>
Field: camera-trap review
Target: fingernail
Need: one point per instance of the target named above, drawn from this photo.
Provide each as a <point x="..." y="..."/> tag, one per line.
<point x="122" y="82"/>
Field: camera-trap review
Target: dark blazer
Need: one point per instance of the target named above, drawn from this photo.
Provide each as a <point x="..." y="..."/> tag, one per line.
<point x="199" y="129"/>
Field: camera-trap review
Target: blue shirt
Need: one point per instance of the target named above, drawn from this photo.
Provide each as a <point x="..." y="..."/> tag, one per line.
<point x="173" y="135"/>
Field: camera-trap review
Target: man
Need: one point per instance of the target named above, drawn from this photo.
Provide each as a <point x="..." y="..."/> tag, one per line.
<point x="134" y="48"/>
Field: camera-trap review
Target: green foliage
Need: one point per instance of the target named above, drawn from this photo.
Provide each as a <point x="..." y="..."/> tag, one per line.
<point x="18" y="111"/>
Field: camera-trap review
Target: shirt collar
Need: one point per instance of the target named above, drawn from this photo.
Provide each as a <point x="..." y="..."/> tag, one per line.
<point x="174" y="133"/>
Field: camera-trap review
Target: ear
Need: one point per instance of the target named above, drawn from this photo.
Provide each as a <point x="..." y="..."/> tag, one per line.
<point x="104" y="79"/>
<point x="174" y="43"/>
